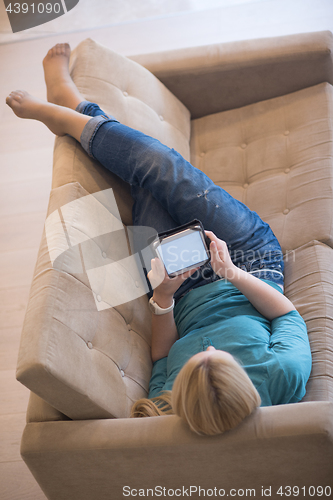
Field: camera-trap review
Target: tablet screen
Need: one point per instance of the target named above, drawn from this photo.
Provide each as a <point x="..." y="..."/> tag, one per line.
<point x="182" y="250"/>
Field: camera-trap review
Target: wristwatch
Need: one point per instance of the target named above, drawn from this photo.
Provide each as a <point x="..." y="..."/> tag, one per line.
<point x="156" y="309"/>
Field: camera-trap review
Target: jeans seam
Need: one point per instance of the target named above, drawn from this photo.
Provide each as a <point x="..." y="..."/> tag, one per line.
<point x="81" y="107"/>
<point x="93" y="136"/>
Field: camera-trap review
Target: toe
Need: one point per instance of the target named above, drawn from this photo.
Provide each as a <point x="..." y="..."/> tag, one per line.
<point x="59" y="49"/>
<point x="53" y="50"/>
<point x="48" y="56"/>
<point x="18" y="95"/>
<point x="12" y="98"/>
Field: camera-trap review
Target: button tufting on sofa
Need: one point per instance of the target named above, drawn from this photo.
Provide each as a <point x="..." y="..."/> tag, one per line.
<point x="125" y="93"/>
<point x="89" y="344"/>
<point x="245" y="185"/>
<point x="243" y="146"/>
<point x="287" y="132"/>
<point x="286" y="211"/>
<point x="287" y="171"/>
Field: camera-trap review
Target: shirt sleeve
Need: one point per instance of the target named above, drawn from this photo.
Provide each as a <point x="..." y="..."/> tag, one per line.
<point x="158" y="378"/>
<point x="289" y="340"/>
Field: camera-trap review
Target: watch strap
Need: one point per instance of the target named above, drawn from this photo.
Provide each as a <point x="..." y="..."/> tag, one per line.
<point x="156" y="309"/>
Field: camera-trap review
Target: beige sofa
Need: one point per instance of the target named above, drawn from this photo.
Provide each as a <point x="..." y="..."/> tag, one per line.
<point x="257" y="117"/>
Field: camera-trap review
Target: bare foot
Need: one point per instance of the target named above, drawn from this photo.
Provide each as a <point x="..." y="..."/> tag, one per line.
<point x="25" y="105"/>
<point x="61" y="89"/>
<point x="60" y="120"/>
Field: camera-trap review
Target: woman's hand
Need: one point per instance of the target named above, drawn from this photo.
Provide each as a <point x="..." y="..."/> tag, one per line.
<point x="220" y="258"/>
<point x="267" y="300"/>
<point x="164" y="287"/>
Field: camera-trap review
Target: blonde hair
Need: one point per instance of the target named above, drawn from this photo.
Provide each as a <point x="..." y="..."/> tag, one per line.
<point x="210" y="394"/>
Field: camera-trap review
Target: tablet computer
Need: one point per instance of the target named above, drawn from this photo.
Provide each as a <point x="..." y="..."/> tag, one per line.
<point x="183" y="248"/>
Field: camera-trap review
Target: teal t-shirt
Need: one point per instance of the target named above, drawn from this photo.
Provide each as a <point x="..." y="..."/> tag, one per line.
<point x="275" y="354"/>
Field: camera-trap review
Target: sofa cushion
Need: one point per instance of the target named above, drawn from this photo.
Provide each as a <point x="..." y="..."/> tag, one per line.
<point x="276" y="157"/>
<point x="309" y="285"/>
<point x="136" y="98"/>
<point x="85" y="347"/>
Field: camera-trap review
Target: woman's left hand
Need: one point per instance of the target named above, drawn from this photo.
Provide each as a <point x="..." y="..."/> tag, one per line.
<point x="162" y="284"/>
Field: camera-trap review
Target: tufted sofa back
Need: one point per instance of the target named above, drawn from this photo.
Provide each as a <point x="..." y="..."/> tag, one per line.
<point x="275" y="156"/>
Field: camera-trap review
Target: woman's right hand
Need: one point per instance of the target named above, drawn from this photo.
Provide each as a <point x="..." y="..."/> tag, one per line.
<point x="164" y="287"/>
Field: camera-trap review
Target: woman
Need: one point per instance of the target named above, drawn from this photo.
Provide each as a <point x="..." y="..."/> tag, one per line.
<point x="233" y="340"/>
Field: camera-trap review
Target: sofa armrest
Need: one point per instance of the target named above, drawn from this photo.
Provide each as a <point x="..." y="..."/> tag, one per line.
<point x="287" y="445"/>
<point x="219" y="77"/>
<point x="40" y="411"/>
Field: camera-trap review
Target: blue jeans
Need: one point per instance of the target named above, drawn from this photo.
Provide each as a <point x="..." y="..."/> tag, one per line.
<point x="168" y="191"/>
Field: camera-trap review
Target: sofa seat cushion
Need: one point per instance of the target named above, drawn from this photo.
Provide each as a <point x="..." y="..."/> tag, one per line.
<point x="276" y="157"/>
<point x="85" y="344"/>
<point x="136" y="98"/>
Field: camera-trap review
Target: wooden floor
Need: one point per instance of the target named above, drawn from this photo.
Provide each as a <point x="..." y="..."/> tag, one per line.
<point x="26" y="166"/>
